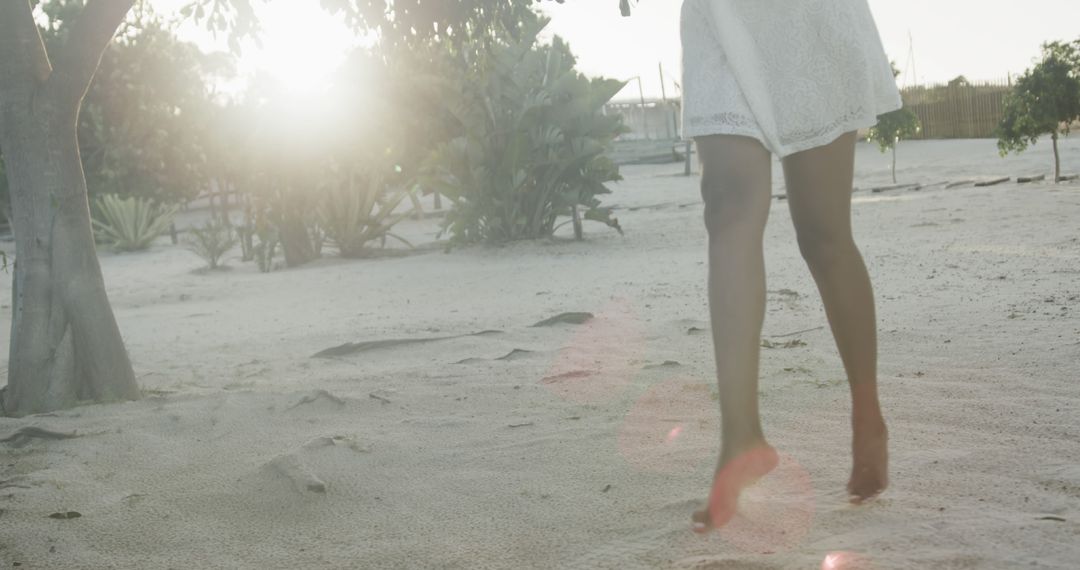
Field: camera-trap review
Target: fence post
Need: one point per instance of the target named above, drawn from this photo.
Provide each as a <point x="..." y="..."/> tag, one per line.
<point x="689" y="148"/>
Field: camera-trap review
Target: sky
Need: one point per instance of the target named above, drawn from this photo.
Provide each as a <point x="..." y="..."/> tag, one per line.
<point x="980" y="39"/>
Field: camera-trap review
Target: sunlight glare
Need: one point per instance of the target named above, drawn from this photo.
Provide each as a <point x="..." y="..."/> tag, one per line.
<point x="844" y="561"/>
<point x="300" y="45"/>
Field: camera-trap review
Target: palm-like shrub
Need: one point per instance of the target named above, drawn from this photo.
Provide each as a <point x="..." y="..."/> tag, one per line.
<point x="354" y="214"/>
<point x="212" y="241"/>
<point x="130" y="224"/>
<point x="532" y="144"/>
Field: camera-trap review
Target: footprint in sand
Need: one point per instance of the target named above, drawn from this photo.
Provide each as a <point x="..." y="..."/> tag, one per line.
<point x="308" y="468"/>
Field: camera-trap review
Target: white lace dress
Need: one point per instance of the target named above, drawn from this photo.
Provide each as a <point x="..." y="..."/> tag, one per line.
<point x="794" y="74"/>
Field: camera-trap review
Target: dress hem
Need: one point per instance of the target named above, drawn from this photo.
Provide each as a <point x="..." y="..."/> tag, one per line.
<point x="799" y="146"/>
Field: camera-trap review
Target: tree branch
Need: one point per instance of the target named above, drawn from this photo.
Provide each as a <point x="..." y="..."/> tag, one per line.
<point x="22" y="53"/>
<point x="78" y="60"/>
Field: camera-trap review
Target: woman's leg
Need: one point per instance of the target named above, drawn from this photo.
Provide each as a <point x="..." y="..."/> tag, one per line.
<point x="736" y="185"/>
<point x="819" y="183"/>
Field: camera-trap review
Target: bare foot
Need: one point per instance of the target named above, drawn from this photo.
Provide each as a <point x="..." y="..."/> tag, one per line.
<point x="734" y="475"/>
<point x="870" y="470"/>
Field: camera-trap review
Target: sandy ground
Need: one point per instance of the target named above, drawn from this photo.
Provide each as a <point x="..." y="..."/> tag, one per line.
<point x="582" y="446"/>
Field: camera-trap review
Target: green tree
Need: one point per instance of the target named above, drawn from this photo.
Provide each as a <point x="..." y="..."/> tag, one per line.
<point x="65" y="342"/>
<point x="426" y="43"/>
<point x="894" y="126"/>
<point x="408" y="24"/>
<point x="144" y="118"/>
<point x="146" y="112"/>
<point x="1045" y="100"/>
<point x="396" y="115"/>
<point x="344" y="190"/>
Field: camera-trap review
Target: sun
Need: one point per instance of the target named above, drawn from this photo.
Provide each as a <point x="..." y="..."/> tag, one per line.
<point x="300" y="45"/>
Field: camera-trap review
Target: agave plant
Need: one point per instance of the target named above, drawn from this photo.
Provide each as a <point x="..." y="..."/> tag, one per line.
<point x="130" y="224"/>
<point x="354" y="214"/>
<point x="532" y="145"/>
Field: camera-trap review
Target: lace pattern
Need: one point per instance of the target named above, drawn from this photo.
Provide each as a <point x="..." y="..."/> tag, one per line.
<point x="793" y="74"/>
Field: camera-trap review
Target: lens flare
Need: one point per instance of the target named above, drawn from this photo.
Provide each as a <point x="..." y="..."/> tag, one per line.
<point x="673" y="427"/>
<point x="842" y="560"/>
<point x="598" y="363"/>
<point x="673" y="434"/>
<point x="775" y="513"/>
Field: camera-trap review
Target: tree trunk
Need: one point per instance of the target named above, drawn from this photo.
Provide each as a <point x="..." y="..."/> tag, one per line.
<point x="225" y="189"/>
<point x="1057" y="159"/>
<point x="247" y="231"/>
<point x="689" y="158"/>
<point x="210" y="202"/>
<point x="295" y="239"/>
<point x="894" y="162"/>
<point x="65" y="343"/>
<point x="579" y="231"/>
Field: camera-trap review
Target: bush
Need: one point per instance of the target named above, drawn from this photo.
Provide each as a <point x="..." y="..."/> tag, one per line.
<point x="130" y="224"/>
<point x="212" y="241"/>
<point x="532" y="144"/>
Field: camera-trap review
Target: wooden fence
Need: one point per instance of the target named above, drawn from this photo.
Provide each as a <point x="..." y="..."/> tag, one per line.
<point x="958" y="110"/>
<point x="946" y="111"/>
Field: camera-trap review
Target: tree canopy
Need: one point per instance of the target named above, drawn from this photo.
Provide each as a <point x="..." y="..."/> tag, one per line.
<point x="140" y="118"/>
<point x="1044" y="101"/>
